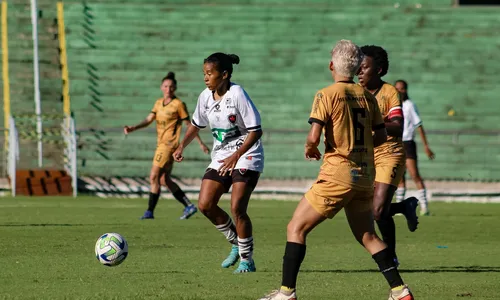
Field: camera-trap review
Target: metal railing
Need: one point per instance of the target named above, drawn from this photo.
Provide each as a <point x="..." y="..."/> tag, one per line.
<point x="69" y="140"/>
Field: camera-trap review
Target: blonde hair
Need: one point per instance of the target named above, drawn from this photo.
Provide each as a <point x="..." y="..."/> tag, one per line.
<point x="346" y="58"/>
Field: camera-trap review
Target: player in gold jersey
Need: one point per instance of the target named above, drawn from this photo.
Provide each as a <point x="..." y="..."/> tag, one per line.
<point x="390" y="156"/>
<point x="169" y="113"/>
<point x="347" y="114"/>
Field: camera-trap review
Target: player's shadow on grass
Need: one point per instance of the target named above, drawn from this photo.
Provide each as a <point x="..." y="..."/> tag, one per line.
<point x="441" y="269"/>
<point x="49" y="225"/>
<point x="153" y="272"/>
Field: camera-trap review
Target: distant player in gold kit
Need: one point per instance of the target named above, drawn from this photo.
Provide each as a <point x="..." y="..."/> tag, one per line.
<point x="169" y="113"/>
<point x="390" y="156"/>
<point x="347" y="114"/>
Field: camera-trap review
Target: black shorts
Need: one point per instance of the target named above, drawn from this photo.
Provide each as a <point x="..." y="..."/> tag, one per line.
<point x="410" y="149"/>
<point x="239" y="175"/>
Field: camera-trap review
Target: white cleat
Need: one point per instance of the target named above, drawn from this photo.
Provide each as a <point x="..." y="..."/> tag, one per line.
<point x="277" y="295"/>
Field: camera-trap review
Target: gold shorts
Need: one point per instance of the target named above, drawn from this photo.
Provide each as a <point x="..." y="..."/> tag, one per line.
<point x="328" y="198"/>
<point x="163" y="157"/>
<point x="390" y="170"/>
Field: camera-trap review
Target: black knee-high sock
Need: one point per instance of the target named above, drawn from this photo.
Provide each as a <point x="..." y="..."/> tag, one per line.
<point x="181" y="197"/>
<point x="388" y="230"/>
<point x="153" y="200"/>
<point x="396" y="208"/>
<point x="294" y="255"/>
<point x="387" y="266"/>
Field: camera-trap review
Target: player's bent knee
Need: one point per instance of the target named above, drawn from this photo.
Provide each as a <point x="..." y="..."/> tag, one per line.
<point x="205" y="206"/>
<point x="368" y="238"/>
<point x="239" y="213"/>
<point x="154" y="178"/>
<point x="380" y="209"/>
<point x="378" y="212"/>
<point x="295" y="230"/>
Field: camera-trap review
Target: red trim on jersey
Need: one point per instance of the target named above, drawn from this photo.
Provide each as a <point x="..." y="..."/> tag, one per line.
<point x="394" y="113"/>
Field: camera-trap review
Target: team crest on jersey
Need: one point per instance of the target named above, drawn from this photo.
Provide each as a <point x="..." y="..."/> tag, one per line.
<point x="232" y="119"/>
<point x="217" y="107"/>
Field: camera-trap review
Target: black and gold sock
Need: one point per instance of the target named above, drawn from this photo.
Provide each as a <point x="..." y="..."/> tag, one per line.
<point x="387" y="266"/>
<point x="294" y="255"/>
<point x="388" y="231"/>
<point x="181" y="197"/>
<point x="153" y="200"/>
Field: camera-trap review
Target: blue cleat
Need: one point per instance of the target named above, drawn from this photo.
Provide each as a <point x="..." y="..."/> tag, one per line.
<point x="246" y="266"/>
<point x="188" y="212"/>
<point x="232" y="258"/>
<point x="147" y="215"/>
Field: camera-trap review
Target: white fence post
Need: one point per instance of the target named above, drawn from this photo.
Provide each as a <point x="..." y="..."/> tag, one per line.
<point x="13" y="155"/>
<point x="36" y="79"/>
<point x="74" y="174"/>
<point x="70" y="163"/>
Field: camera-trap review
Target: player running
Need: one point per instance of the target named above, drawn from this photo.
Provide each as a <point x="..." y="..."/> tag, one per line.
<point x="412" y="121"/>
<point x="237" y="155"/>
<point x="390" y="156"/>
<point x="347" y="113"/>
<point x="169" y="113"/>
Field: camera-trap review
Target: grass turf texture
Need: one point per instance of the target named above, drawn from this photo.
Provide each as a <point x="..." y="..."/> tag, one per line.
<point x="47" y="252"/>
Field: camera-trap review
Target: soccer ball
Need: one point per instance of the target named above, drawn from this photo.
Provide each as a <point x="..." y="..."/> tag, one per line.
<point x="111" y="249"/>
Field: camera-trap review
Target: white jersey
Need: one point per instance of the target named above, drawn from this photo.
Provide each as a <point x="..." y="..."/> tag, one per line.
<point x="411" y="120"/>
<point x="231" y="119"/>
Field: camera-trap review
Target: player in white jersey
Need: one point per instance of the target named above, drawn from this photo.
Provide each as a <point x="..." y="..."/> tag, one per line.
<point x="237" y="155"/>
<point x="412" y="122"/>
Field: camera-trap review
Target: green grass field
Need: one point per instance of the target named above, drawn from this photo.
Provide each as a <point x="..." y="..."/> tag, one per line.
<point x="47" y="252"/>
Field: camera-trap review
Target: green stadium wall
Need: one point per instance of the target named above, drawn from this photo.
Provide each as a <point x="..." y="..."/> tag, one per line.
<point x="119" y="51"/>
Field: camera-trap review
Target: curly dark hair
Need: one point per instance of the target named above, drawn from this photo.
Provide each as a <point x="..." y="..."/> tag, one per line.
<point x="379" y="56"/>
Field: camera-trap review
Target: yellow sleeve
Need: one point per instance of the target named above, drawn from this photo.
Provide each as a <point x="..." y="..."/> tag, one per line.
<point x="155" y="108"/>
<point x="377" y="118"/>
<point x="182" y="111"/>
<point x="395" y="108"/>
<point x="321" y="109"/>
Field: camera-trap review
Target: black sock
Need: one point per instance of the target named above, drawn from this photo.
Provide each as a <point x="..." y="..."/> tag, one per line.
<point x="388" y="230"/>
<point x="388" y="268"/>
<point x="294" y="255"/>
<point x="153" y="200"/>
<point x="181" y="197"/>
<point x="397" y="208"/>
